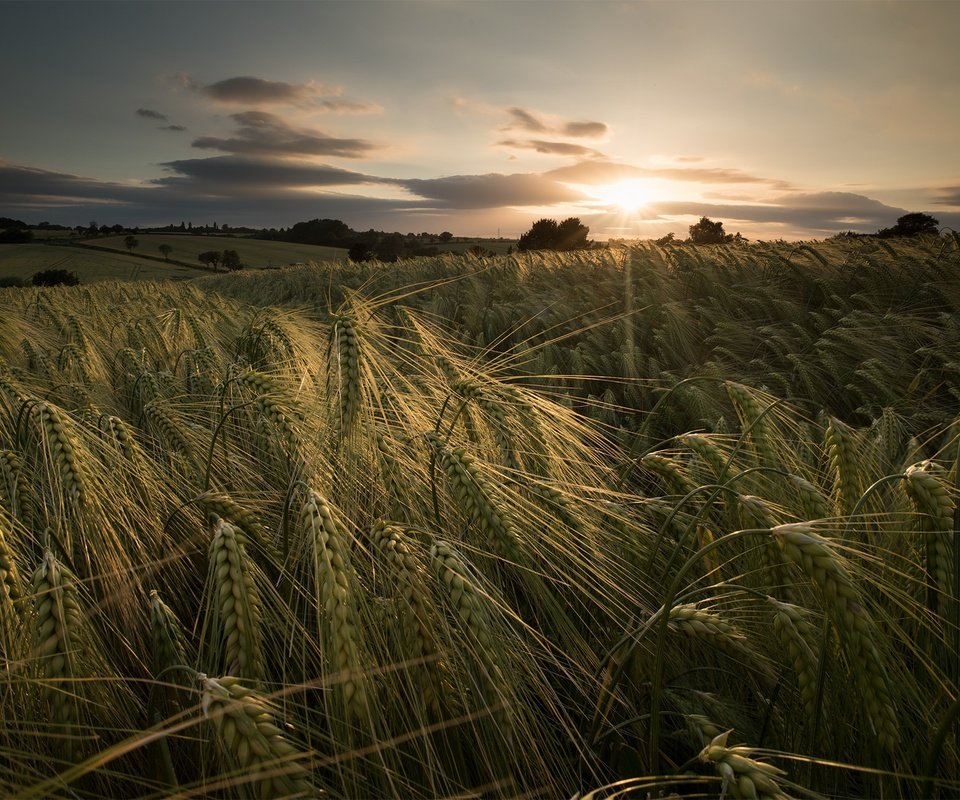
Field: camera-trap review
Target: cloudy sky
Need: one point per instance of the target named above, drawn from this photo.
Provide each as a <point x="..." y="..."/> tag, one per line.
<point x="783" y="119"/>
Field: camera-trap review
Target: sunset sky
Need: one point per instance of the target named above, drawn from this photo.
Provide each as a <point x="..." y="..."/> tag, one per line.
<point x="782" y="119"/>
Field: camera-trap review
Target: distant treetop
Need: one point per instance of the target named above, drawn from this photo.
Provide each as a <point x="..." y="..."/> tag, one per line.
<point x="547" y="234"/>
<point x="913" y="224"/>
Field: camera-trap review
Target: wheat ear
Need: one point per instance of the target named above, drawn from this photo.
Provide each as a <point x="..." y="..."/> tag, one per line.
<point x="333" y="576"/>
<point x="816" y="558"/>
<point x="742" y="775"/>
<point x="57" y="627"/>
<point x="407" y="572"/>
<point x="927" y="487"/>
<point x="246" y="725"/>
<point x="235" y="594"/>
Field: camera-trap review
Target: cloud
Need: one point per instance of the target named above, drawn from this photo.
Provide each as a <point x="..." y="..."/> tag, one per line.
<point x="948" y="196"/>
<point x="820" y="213"/>
<point x="148" y="113"/>
<point x="228" y="173"/>
<point x="178" y="128"/>
<point x="31" y="187"/>
<point x="601" y="172"/>
<point x="492" y="191"/>
<point x="246" y="90"/>
<point x="585" y="130"/>
<point x="270" y="191"/>
<point x="340" y="106"/>
<point x="244" y="192"/>
<point x="264" y="134"/>
<point x="522" y="119"/>
<point x="552" y="148"/>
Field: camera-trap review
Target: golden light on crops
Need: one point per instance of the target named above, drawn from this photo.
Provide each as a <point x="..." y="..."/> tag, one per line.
<point x="628" y="196"/>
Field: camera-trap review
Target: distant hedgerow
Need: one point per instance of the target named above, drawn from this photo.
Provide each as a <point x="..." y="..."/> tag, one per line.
<point x="54" y="277"/>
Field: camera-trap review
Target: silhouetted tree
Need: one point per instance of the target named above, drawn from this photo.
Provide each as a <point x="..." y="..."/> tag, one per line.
<point x="358" y="252"/>
<point x="231" y="260"/>
<point x="54" y="277"/>
<point x="546" y="234"/>
<point x="320" y="231"/>
<point x="541" y="236"/>
<point x="130" y="242"/>
<point x="445" y="237"/>
<point x="210" y="258"/>
<point x="572" y="234"/>
<point x="913" y="224"/>
<point x="668" y="239"/>
<point x="16" y="236"/>
<point x="707" y="231"/>
<point x="165" y="251"/>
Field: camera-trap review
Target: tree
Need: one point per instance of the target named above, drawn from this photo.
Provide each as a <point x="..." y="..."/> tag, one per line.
<point x="707" y="231"/>
<point x="572" y="235"/>
<point x="54" y="277"/>
<point x="446" y="237"/>
<point x="130" y="242"/>
<point x="914" y="224"/>
<point x="547" y="234"/>
<point x="541" y="236"/>
<point x="165" y="251"/>
<point x="320" y="231"/>
<point x="231" y="260"/>
<point x="210" y="258"/>
<point x="16" y="236"/>
<point x="358" y="252"/>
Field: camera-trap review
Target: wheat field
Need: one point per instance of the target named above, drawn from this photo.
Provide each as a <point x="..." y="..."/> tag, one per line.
<point x="640" y="521"/>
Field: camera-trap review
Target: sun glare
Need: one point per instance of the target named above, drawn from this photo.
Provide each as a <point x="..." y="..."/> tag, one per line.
<point x="628" y="196"/>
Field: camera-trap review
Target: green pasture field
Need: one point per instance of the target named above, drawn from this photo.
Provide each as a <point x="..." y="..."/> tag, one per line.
<point x="90" y="266"/>
<point x="40" y="234"/>
<point x="254" y="253"/>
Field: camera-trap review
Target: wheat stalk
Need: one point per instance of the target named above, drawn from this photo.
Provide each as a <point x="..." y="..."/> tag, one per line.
<point x="247" y="727"/>
<point x="345" y="340"/>
<point x="842" y="446"/>
<point x="333" y="577"/>
<point x="57" y="623"/>
<point x="61" y="440"/>
<point x="477" y="498"/>
<point x="237" y="599"/>
<point x="471" y="610"/>
<point x="743" y="776"/>
<point x="812" y="502"/>
<point x="408" y="573"/>
<point x="927" y="487"/>
<point x="805" y="548"/>
<point x="795" y="633"/>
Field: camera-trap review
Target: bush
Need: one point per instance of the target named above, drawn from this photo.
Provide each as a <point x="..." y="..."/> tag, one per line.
<point x="16" y="236"/>
<point x="11" y="281"/>
<point x="54" y="277"/>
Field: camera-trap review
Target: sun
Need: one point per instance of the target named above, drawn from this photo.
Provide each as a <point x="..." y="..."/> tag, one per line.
<point x="629" y="196"/>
